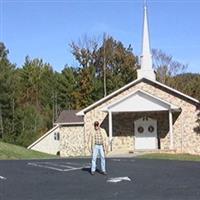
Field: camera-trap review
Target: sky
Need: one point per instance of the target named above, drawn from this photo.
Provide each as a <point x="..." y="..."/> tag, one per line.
<point x="45" y="28"/>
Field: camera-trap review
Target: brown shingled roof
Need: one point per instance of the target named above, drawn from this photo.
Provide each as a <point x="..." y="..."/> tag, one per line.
<point x="69" y="117"/>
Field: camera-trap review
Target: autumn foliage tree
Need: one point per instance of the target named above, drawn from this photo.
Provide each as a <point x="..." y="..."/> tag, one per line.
<point x="110" y="59"/>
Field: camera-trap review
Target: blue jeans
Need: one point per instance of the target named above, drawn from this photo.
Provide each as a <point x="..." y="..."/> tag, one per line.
<point x="98" y="149"/>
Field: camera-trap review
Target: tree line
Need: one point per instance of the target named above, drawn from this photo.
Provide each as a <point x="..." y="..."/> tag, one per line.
<point x="33" y="95"/>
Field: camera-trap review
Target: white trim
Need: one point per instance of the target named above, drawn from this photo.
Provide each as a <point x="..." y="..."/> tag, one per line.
<point x="110" y="127"/>
<point x="134" y="92"/>
<point x="182" y="132"/>
<point x="81" y="113"/>
<point x="38" y="140"/>
<point x="171" y="135"/>
<point x="70" y="123"/>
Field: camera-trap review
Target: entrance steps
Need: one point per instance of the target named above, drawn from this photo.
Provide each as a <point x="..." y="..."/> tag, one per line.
<point x="120" y="153"/>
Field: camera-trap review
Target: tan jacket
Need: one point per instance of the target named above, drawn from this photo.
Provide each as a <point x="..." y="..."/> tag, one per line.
<point x="91" y="141"/>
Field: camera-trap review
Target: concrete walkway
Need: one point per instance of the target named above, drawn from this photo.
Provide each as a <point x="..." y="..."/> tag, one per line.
<point x="124" y="154"/>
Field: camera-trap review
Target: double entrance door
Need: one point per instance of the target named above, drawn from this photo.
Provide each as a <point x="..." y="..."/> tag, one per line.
<point x="145" y="134"/>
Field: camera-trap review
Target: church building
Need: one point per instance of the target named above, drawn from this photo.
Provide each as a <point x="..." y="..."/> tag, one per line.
<point x="144" y="115"/>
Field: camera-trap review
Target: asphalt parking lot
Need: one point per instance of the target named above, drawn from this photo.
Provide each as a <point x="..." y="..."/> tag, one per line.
<point x="128" y="178"/>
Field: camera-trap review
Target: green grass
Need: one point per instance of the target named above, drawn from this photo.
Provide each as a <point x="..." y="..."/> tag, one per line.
<point x="167" y="156"/>
<point x="10" y="151"/>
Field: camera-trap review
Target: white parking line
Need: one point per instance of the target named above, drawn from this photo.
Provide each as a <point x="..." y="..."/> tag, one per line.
<point x="66" y="170"/>
<point x="3" y="178"/>
<point x="76" y="164"/>
<point x="57" y="167"/>
<point x="43" y="166"/>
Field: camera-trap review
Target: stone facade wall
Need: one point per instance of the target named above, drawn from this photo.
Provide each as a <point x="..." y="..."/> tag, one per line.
<point x="72" y="141"/>
<point x="185" y="138"/>
<point x="123" y="132"/>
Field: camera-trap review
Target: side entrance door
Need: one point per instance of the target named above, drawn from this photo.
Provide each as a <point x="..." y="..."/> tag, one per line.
<point x="145" y="134"/>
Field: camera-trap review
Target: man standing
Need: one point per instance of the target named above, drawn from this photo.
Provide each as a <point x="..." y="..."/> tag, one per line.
<point x="99" y="145"/>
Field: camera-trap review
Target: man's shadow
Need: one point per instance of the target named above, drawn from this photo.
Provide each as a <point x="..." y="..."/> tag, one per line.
<point x="98" y="167"/>
<point x="86" y="169"/>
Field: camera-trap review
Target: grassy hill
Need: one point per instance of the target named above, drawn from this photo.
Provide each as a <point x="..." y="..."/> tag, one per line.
<point x="10" y="151"/>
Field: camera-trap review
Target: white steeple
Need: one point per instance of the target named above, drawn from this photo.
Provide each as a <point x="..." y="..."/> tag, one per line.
<point x="146" y="70"/>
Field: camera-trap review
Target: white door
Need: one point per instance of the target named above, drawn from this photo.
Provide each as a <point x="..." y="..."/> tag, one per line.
<point x="146" y="134"/>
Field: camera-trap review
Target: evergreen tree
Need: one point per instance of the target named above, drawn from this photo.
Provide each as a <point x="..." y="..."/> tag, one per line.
<point x="36" y="82"/>
<point x="7" y="92"/>
<point x="66" y="86"/>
